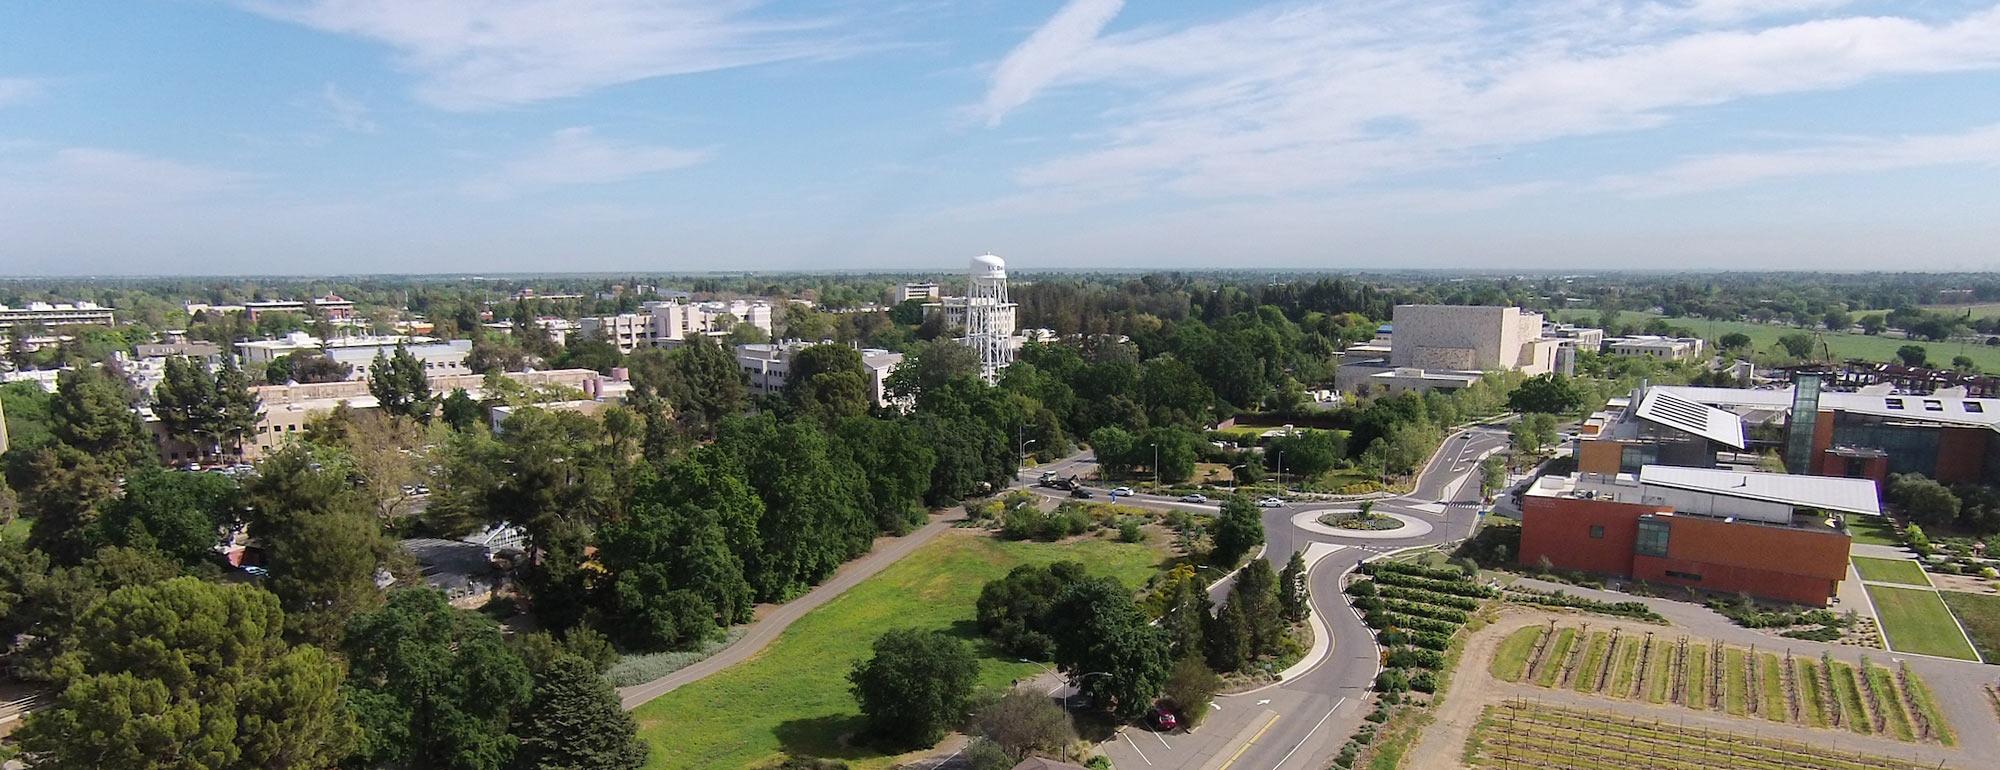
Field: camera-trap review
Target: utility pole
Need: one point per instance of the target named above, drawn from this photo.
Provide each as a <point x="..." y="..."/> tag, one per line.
<point x="1156" y="467"/>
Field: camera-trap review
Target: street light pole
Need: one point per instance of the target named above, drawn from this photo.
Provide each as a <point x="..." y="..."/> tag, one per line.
<point x="1156" y="467"/>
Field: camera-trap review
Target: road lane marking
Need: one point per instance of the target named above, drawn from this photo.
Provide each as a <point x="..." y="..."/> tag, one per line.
<point x="1309" y="733"/>
<point x="1247" y="744"/>
<point x="1135" y="747"/>
<point x="1163" y="739"/>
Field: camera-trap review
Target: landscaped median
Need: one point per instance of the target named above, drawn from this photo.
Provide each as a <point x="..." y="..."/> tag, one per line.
<point x="793" y="697"/>
<point x="1915" y="620"/>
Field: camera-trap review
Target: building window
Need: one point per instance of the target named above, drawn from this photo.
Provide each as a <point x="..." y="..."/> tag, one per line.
<point x="1688" y="576"/>
<point x="1652" y="540"/>
<point x="1597" y="531"/>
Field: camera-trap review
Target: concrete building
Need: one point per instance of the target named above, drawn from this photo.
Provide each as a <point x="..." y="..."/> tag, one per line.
<point x="1582" y="337"/>
<point x="1655" y="427"/>
<point x="1434" y="347"/>
<point x="440" y="359"/>
<point x="1470" y="338"/>
<point x="677" y="322"/>
<point x="922" y="292"/>
<point x="1655" y="346"/>
<point x="766" y="365"/>
<point x="51" y="315"/>
<point x="331" y="307"/>
<point x="625" y="331"/>
<point x="1770" y="535"/>
<point x="286" y="409"/>
<point x="265" y="351"/>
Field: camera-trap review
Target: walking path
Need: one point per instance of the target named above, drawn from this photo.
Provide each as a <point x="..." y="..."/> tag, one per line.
<point x="763" y="630"/>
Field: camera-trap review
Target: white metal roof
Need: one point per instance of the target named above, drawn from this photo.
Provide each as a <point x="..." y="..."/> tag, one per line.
<point x="1937" y="408"/>
<point x="1663" y="407"/>
<point x="1826" y="492"/>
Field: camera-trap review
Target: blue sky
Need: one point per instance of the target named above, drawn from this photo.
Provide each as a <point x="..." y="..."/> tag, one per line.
<point x="347" y="136"/>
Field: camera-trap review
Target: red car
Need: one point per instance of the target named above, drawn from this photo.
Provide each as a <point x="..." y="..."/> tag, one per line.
<point x="1163" y="719"/>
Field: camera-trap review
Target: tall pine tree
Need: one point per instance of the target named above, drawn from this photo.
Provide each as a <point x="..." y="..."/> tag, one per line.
<point x="574" y="722"/>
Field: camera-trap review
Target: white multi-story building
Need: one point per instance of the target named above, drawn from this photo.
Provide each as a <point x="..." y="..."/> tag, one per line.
<point x="1435" y="347"/>
<point x="266" y="351"/>
<point x="51" y="315"/>
<point x="626" y="331"/>
<point x="924" y="292"/>
<point x="766" y="365"/>
<point x="1655" y="346"/>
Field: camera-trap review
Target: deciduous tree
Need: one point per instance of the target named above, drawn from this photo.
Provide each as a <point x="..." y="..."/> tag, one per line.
<point x="915" y="686"/>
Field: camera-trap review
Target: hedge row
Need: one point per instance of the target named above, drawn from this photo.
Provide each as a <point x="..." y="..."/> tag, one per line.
<point x="1380" y="619"/>
<point x="1430" y="597"/>
<point x="1637" y="610"/>
<point x="1409" y="568"/>
<point x="1460" y="587"/>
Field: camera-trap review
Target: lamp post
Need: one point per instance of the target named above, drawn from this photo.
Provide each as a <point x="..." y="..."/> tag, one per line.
<point x="1156" y="467"/>
<point x="1021" y="442"/>
<point x="1281" y="470"/>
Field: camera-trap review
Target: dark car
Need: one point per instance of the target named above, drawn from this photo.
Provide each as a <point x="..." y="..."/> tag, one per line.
<point x="1081" y="493"/>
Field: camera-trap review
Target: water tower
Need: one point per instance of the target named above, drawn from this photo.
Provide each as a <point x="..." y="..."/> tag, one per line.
<point x="988" y="315"/>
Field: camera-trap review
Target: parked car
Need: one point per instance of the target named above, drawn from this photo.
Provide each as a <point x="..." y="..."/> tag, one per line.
<point x="1081" y="494"/>
<point x="1195" y="498"/>
<point x="1270" y="502"/>
<point x="1163" y="719"/>
<point x="1122" y="492"/>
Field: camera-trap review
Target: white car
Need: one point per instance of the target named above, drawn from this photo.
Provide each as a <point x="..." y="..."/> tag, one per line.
<point x="1270" y="502"/>
<point x="1194" y="498"/>
<point x="1122" y="491"/>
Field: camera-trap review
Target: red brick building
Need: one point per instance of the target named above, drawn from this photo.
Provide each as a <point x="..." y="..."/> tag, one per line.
<point x="1773" y="536"/>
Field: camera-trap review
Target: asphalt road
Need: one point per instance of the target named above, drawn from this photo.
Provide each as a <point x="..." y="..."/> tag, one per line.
<point x="1301" y="723"/>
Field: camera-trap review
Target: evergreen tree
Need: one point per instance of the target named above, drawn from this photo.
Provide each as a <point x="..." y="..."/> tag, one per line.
<point x="1294" y="595"/>
<point x="185" y="402"/>
<point x="1256" y="594"/>
<point x="434" y="687"/>
<point x="399" y="384"/>
<point x="461" y="411"/>
<point x="236" y="410"/>
<point x="1228" y="639"/>
<point x="188" y="675"/>
<point x="94" y="414"/>
<point x="574" y="722"/>
<point x="321" y="538"/>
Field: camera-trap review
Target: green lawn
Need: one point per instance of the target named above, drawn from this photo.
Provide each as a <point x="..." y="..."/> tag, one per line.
<point x="793" y="696"/>
<point x="1873" y="530"/>
<point x="1554" y="656"/>
<point x="1980" y="614"/>
<point x="1511" y="660"/>
<point x="1915" y="620"/>
<point x="1891" y="571"/>
<point x="1697" y="677"/>
<point x="1843" y="345"/>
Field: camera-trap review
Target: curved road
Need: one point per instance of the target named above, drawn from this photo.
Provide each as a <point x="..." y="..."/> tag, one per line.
<point x="1302" y="722"/>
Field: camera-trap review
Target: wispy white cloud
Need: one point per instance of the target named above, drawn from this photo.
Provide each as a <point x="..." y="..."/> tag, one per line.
<point x="578" y="156"/>
<point x="1046" y="54"/>
<point x="1980" y="146"/>
<point x="15" y="90"/>
<point x="348" y="112"/>
<point x="484" y="54"/>
<point x="1311" y="98"/>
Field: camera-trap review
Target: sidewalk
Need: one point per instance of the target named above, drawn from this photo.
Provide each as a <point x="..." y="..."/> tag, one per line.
<point x="764" y="630"/>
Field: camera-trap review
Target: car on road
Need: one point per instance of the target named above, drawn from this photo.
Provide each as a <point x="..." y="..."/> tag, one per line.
<point x="1270" y="502"/>
<point x="1081" y="494"/>
<point x="1196" y="498"/>
<point x="1122" y="492"/>
<point x="1163" y="719"/>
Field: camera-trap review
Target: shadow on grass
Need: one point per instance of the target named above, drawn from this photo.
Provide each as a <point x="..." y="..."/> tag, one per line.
<point x="826" y="737"/>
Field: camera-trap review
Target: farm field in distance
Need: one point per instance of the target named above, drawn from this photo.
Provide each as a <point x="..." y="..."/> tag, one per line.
<point x="1842" y="344"/>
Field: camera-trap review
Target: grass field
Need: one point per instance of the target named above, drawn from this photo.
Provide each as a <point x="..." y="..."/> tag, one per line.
<point x="1873" y="530"/>
<point x="1916" y="620"/>
<point x="1765" y="696"/>
<point x="1978" y="310"/>
<point x="1980" y="614"/>
<point x="1517" y="734"/>
<point x="1891" y="571"/>
<point x="1510" y="662"/>
<point x="1553" y="655"/>
<point x="1843" y="345"/>
<point x="793" y="696"/>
